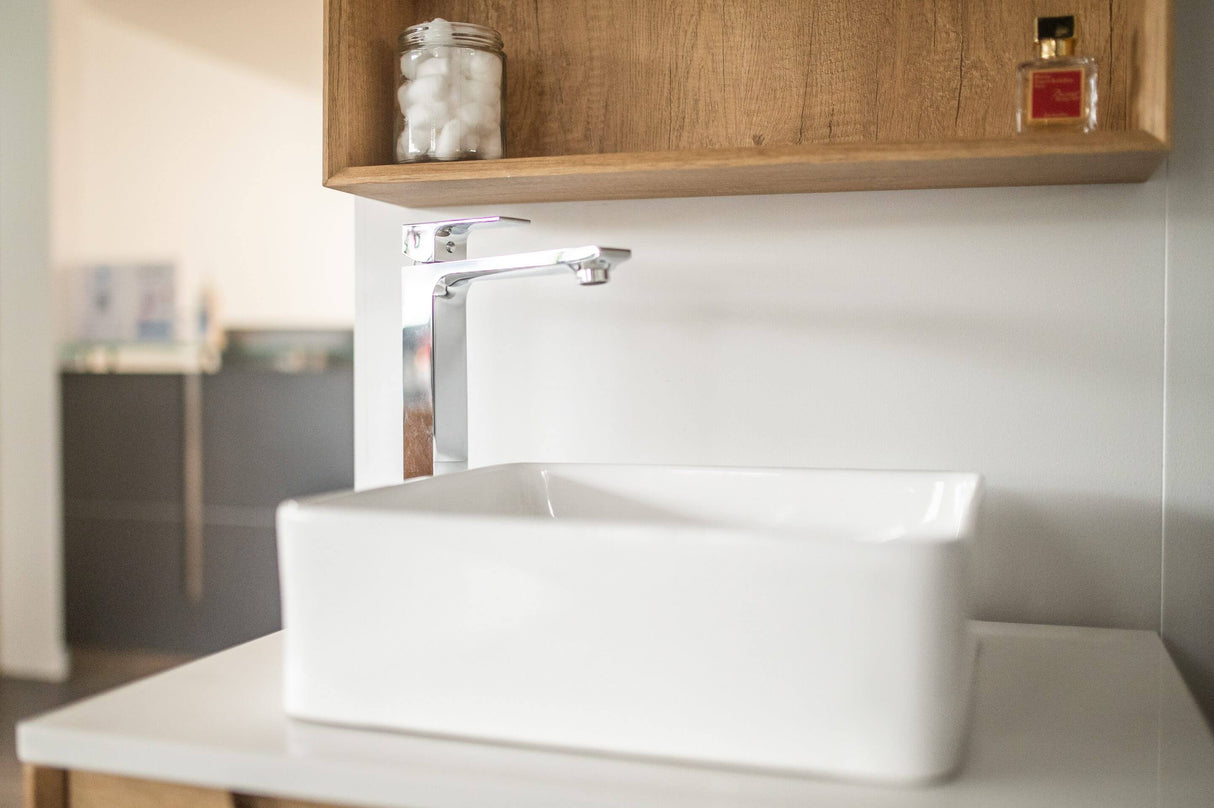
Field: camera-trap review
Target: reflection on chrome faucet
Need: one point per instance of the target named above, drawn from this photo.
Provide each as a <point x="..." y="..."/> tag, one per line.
<point x="434" y="294"/>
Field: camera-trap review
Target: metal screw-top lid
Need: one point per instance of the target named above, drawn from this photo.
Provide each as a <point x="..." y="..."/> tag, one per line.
<point x="1055" y="36"/>
<point x="1055" y="28"/>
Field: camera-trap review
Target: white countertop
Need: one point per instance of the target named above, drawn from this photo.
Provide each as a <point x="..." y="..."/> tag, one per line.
<point x="1062" y="717"/>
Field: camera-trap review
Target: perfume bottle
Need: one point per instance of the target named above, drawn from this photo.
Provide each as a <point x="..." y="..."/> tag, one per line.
<point x="1057" y="90"/>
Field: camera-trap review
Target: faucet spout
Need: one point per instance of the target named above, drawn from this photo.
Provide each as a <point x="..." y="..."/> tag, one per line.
<point x="591" y="265"/>
<point x="441" y="406"/>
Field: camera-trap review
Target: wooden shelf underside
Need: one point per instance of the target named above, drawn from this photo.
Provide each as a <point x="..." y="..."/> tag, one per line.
<point x="1102" y="157"/>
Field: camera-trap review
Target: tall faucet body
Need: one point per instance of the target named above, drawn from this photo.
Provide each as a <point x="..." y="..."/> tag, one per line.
<point x="440" y="249"/>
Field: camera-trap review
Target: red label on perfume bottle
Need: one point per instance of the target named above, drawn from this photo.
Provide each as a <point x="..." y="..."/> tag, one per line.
<point x="1057" y="94"/>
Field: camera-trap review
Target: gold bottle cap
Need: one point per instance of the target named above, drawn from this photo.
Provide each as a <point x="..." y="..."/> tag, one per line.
<point x="1055" y="36"/>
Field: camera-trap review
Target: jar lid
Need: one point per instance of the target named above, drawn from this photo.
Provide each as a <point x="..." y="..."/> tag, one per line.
<point x="441" y="32"/>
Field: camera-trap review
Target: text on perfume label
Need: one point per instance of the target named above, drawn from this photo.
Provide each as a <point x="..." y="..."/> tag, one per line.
<point x="1057" y="94"/>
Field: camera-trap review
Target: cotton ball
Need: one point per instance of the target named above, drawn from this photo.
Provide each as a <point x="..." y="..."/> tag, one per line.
<point x="412" y="145"/>
<point x="482" y="66"/>
<point x="491" y="144"/>
<point x="477" y="116"/>
<point x="434" y="67"/>
<point x="402" y="96"/>
<point x="422" y="130"/>
<point x="439" y="29"/>
<point x="466" y="56"/>
<point x="470" y="140"/>
<point x="478" y="91"/>
<point x="427" y="117"/>
<point x="420" y="143"/>
<point x="428" y="90"/>
<point x="409" y="61"/>
<point x="447" y="145"/>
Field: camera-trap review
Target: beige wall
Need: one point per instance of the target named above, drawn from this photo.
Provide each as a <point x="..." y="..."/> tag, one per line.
<point x="180" y="130"/>
<point x="191" y="131"/>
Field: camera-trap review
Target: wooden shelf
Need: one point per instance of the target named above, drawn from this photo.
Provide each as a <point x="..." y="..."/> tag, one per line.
<point x="620" y="99"/>
<point x="1111" y="157"/>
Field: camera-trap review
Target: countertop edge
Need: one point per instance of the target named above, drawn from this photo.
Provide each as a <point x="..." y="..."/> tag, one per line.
<point x="260" y="751"/>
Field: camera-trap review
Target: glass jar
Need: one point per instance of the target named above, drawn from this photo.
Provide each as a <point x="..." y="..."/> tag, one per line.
<point x="451" y="95"/>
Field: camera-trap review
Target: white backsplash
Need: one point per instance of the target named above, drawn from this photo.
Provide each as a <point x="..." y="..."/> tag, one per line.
<point x="1016" y="332"/>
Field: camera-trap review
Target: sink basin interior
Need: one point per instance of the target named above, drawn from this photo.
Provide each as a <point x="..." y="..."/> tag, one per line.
<point x="857" y="505"/>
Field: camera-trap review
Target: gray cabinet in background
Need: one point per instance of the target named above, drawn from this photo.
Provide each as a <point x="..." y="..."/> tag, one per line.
<point x="266" y="437"/>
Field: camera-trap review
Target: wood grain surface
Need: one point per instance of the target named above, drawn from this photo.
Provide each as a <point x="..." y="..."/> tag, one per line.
<point x="44" y="787"/>
<point x="92" y="790"/>
<point x="359" y="80"/>
<point x="604" y="76"/>
<point x="699" y="98"/>
<point x="1053" y="160"/>
<point x="80" y="789"/>
<point x="419" y="441"/>
<point x="1149" y="90"/>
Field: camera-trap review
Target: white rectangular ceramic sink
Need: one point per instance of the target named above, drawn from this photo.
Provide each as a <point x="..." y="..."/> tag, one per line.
<point x="798" y="620"/>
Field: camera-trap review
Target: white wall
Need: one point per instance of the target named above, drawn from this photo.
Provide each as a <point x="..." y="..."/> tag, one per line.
<point x="1188" y="607"/>
<point x="31" y="589"/>
<point x="1017" y="332"/>
<point x="881" y="330"/>
<point x="191" y="131"/>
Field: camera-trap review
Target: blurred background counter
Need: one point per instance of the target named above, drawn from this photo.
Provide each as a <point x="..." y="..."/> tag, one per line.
<point x="173" y="463"/>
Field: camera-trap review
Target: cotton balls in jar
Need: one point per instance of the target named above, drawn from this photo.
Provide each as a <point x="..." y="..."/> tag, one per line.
<point x="450" y="95"/>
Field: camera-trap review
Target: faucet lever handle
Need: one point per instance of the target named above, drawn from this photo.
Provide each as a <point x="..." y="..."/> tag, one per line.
<point x="432" y="242"/>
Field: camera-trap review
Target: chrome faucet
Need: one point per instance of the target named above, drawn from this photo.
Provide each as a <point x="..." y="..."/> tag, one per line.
<point x="438" y="411"/>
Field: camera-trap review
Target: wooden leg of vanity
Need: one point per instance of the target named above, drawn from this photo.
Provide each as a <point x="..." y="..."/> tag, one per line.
<point x="92" y="790"/>
<point x="45" y="788"/>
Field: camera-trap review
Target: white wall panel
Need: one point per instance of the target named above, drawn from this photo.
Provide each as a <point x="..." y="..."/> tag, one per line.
<point x="1188" y="606"/>
<point x="31" y="575"/>
<point x="1017" y="332"/>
